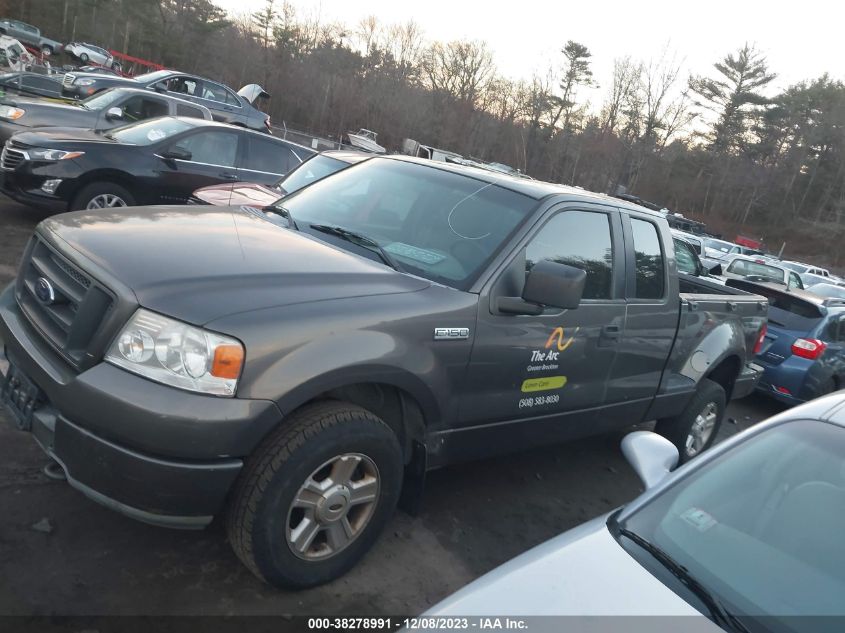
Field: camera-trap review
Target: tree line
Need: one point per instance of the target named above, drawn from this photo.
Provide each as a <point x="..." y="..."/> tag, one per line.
<point x="719" y="147"/>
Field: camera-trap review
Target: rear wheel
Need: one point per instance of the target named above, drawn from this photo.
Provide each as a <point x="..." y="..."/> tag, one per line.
<point x="83" y="57"/>
<point x="46" y="50"/>
<point x="694" y="430"/>
<point x="102" y="195"/>
<point x="315" y="496"/>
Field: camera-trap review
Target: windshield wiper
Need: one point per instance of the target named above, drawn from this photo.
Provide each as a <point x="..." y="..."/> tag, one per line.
<point x="359" y="240"/>
<point x="720" y="614"/>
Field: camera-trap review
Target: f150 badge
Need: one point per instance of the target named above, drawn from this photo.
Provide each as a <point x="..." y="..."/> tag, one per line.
<point x="451" y="333"/>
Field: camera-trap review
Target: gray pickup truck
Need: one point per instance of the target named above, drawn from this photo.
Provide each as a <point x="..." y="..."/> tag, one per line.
<point x="29" y="34"/>
<point x="295" y="369"/>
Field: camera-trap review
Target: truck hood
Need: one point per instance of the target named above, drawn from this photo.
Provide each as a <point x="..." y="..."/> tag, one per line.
<point x="198" y="264"/>
<point x="582" y="572"/>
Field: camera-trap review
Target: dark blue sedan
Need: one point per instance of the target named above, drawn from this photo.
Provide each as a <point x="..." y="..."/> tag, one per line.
<point x="803" y="352"/>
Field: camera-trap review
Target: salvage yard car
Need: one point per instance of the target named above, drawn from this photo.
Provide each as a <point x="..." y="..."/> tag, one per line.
<point x="257" y="195"/>
<point x="289" y="369"/>
<point x="748" y="536"/>
<point x="156" y="161"/>
<point x="29" y="34"/>
<point x="758" y="269"/>
<point x="108" y="109"/>
<point x="224" y="103"/>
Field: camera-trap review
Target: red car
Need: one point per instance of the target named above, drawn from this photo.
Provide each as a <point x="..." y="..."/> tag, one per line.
<point x="254" y="195"/>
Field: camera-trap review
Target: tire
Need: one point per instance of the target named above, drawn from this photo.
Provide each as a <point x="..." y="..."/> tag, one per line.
<point x="47" y="50"/>
<point x="694" y="430"/>
<point x="263" y="525"/>
<point x="83" y="57"/>
<point x="104" y="192"/>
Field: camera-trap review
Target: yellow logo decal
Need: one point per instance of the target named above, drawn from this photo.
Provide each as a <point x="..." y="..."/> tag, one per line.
<point x="543" y="384"/>
<point x="562" y="341"/>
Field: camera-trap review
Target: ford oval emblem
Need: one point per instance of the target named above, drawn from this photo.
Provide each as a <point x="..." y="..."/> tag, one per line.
<point x="44" y="291"/>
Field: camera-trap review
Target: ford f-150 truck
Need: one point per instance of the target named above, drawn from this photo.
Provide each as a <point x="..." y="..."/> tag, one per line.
<point x="295" y="368"/>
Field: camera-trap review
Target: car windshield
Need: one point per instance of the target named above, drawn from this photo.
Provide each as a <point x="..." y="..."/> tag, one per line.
<point x="828" y="290"/>
<point x="747" y="268"/>
<point x="153" y="76"/>
<point x="433" y="223"/>
<point x="798" y="268"/>
<point x="758" y="526"/>
<point x="150" y="131"/>
<point x="102" y="100"/>
<point x="310" y="171"/>
<point x="719" y="245"/>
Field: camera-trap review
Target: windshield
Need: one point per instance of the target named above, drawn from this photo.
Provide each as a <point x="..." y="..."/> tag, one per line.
<point x="310" y="171"/>
<point x="828" y="290"/>
<point x="153" y="76"/>
<point x="747" y="268"/>
<point x="436" y="224"/>
<point x="719" y="245"/>
<point x="102" y="100"/>
<point x="149" y="132"/>
<point x="760" y="526"/>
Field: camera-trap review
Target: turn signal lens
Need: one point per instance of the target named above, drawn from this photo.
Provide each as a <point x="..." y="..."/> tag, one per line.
<point x="759" y="345"/>
<point x="228" y="361"/>
<point x="808" y="348"/>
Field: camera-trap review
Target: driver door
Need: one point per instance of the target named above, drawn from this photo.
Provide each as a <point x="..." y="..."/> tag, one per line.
<point x="547" y="374"/>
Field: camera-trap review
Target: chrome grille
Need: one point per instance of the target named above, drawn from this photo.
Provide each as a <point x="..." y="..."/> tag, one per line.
<point x="11" y="158"/>
<point x="68" y="79"/>
<point x="71" y="312"/>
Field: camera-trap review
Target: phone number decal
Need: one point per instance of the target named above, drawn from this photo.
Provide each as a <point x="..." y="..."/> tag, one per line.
<point x="535" y="401"/>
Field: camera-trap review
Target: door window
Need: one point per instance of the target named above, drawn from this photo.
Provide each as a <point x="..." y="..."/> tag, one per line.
<point x="213" y="92"/>
<point x="650" y="277"/>
<point x="185" y="85"/>
<point x="141" y="107"/>
<point x="183" y="109"/>
<point x="580" y="239"/>
<point x="794" y="281"/>
<point x="271" y="156"/>
<point x="211" y="148"/>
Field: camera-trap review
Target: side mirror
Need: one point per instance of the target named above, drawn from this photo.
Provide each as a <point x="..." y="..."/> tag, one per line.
<point x="548" y="283"/>
<point x="160" y="88"/>
<point x="114" y="114"/>
<point x="553" y="284"/>
<point x="176" y="153"/>
<point x="651" y="456"/>
<point x="716" y="270"/>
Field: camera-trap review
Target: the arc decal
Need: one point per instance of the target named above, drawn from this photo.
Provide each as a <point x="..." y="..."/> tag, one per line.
<point x="562" y="342"/>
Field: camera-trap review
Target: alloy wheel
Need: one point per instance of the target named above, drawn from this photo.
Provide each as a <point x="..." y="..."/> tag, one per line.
<point x="701" y="429"/>
<point x="333" y="506"/>
<point x="105" y="201"/>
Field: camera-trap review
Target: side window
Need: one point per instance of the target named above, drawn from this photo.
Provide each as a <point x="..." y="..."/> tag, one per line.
<point x="794" y="281"/>
<point x="270" y="156"/>
<point x="139" y="107"/>
<point x="185" y="86"/>
<point x="651" y="280"/>
<point x="212" y="147"/>
<point x="232" y="98"/>
<point x="183" y="109"/>
<point x="580" y="239"/>
<point x="685" y="258"/>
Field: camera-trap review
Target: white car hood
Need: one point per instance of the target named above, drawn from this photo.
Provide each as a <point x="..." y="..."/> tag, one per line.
<point x="582" y="572"/>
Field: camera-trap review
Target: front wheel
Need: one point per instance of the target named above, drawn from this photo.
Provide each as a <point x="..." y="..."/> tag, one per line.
<point x="47" y="50"/>
<point x="316" y="494"/>
<point x="694" y="430"/>
<point x="102" y="195"/>
<point x="83" y="57"/>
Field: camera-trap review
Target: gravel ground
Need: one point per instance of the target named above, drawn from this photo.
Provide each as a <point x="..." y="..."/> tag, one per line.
<point x="62" y="554"/>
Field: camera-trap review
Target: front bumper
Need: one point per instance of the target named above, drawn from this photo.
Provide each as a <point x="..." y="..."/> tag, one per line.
<point x="747" y="380"/>
<point x="152" y="452"/>
<point x="31" y="197"/>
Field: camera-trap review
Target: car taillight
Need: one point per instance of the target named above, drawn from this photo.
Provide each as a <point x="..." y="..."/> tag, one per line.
<point x="808" y="348"/>
<point x="759" y="344"/>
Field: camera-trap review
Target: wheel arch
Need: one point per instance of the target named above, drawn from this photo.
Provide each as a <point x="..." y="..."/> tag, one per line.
<point x="725" y="373"/>
<point x="114" y="176"/>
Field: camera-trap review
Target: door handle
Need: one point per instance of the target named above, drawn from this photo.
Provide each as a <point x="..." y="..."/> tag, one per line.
<point x="610" y="334"/>
<point x="227" y="175"/>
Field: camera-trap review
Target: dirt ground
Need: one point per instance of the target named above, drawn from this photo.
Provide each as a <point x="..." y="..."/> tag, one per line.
<point x="87" y="560"/>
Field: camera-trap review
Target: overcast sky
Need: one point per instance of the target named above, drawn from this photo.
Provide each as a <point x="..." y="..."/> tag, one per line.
<point x="800" y="40"/>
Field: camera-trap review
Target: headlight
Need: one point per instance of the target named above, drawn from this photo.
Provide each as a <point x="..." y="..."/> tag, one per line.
<point x="178" y="354"/>
<point x="10" y="112"/>
<point x="84" y="82"/>
<point x="52" y="154"/>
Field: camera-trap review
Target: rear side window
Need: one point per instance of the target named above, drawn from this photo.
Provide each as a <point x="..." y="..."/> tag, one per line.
<point x="580" y="239"/>
<point x="139" y="108"/>
<point x="183" y="109"/>
<point x="269" y="156"/>
<point x="650" y="276"/>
